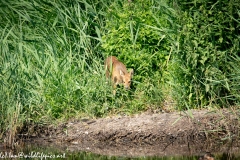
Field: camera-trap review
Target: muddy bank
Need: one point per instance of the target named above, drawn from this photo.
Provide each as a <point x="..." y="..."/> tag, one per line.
<point x="148" y="134"/>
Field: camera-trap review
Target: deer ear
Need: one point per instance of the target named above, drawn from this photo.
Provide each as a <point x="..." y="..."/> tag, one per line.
<point x="131" y="72"/>
<point x="121" y="72"/>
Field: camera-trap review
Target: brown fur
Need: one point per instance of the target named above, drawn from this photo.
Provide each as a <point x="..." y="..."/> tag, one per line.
<point x="118" y="73"/>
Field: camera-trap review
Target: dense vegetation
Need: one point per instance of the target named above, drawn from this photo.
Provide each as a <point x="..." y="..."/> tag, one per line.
<point x="207" y="54"/>
<point x="52" y="56"/>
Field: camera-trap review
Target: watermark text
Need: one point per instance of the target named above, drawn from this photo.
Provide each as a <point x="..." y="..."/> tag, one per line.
<point x="39" y="155"/>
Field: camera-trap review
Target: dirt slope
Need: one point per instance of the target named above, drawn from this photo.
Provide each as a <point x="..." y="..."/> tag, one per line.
<point x="175" y="133"/>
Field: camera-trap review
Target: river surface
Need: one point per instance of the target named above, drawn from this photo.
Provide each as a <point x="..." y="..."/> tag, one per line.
<point x="53" y="151"/>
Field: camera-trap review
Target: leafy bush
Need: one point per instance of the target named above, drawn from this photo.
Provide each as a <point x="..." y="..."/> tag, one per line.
<point x="208" y="47"/>
<point x="139" y="34"/>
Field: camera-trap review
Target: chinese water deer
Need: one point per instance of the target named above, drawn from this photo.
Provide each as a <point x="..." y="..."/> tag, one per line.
<point x="118" y="73"/>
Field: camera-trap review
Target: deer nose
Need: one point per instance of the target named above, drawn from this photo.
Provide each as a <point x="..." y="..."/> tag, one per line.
<point x="127" y="87"/>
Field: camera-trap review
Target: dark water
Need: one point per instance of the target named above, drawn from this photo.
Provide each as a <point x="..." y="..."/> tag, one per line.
<point x="44" y="152"/>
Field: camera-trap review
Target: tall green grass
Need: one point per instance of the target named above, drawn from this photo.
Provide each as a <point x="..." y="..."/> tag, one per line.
<point x="48" y="59"/>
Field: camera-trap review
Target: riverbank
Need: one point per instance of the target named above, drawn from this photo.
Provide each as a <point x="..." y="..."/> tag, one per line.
<point x="175" y="133"/>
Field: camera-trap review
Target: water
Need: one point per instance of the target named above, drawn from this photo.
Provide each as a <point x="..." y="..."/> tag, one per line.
<point x="33" y="151"/>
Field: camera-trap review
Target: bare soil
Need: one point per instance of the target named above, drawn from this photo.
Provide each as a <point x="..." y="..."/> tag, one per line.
<point x="148" y="134"/>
